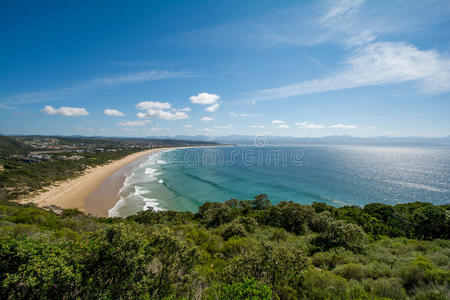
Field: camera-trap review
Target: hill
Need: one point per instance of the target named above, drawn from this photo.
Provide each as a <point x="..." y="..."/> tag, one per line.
<point x="9" y="145"/>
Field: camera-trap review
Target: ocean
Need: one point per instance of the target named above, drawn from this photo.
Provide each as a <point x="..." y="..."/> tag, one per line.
<point x="183" y="179"/>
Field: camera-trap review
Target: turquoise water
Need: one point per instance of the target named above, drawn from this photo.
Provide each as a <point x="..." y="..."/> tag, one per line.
<point x="183" y="179"/>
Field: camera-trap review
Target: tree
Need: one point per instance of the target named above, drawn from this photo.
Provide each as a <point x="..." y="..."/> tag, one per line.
<point x="171" y="263"/>
<point x="289" y="215"/>
<point x="214" y="214"/>
<point x="261" y="202"/>
<point x="431" y="222"/>
<point x="341" y="234"/>
<point x="37" y="269"/>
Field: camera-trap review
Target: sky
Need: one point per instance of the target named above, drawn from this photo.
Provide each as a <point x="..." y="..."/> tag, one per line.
<point x="215" y="68"/>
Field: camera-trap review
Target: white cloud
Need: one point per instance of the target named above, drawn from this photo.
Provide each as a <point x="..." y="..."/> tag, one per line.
<point x="208" y="129"/>
<point x="277" y="122"/>
<point x="113" y="112"/>
<point x="57" y="94"/>
<point x="376" y="64"/>
<point x="7" y="106"/>
<point x="158" y="128"/>
<point x="223" y="127"/>
<point x="206" y="119"/>
<point x="283" y="126"/>
<point x="342" y="126"/>
<point x="186" y="109"/>
<point x="212" y="108"/>
<point x="309" y="23"/>
<point x="188" y="126"/>
<point x="133" y="123"/>
<point x="244" y="115"/>
<point x="308" y="125"/>
<point x="139" y="77"/>
<point x="103" y="129"/>
<point x="341" y="10"/>
<point x="65" y="111"/>
<point x="205" y="98"/>
<point x="258" y="126"/>
<point x="129" y="129"/>
<point x="90" y="129"/>
<point x="164" y="115"/>
<point x="153" y="105"/>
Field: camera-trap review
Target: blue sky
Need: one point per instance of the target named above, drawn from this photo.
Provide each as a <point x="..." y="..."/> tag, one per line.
<point x="153" y="68"/>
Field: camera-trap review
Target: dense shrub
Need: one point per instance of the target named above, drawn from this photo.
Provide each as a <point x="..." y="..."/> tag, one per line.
<point x="303" y="252"/>
<point x="318" y="285"/>
<point x="390" y="288"/>
<point x="341" y="234"/>
<point x="214" y="214"/>
<point x="291" y="216"/>
<point x="246" y="289"/>
<point x="36" y="269"/>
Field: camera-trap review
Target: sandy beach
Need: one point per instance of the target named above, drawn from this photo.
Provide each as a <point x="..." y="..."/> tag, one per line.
<point x="73" y="193"/>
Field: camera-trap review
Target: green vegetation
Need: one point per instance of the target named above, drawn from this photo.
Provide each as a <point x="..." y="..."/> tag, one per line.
<point x="10" y="145"/>
<point x="232" y="250"/>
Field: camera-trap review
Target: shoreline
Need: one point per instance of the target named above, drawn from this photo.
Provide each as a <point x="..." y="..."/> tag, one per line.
<point x="96" y="191"/>
<point x="106" y="195"/>
<point x="73" y="193"/>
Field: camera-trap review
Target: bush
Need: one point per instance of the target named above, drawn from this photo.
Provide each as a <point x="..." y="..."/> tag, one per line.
<point x="421" y="272"/>
<point x="386" y="287"/>
<point x="330" y="259"/>
<point x="35" y="269"/>
<point x="214" y="214"/>
<point x="320" y="222"/>
<point x="323" y="285"/>
<point x="171" y="255"/>
<point x="341" y="234"/>
<point x="351" y="271"/>
<point x="233" y="229"/>
<point x="291" y="216"/>
<point x="249" y="288"/>
<point x="432" y="292"/>
<point x="270" y="264"/>
<point x="431" y="222"/>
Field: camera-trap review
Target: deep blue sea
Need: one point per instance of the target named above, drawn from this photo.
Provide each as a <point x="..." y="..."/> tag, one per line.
<point x="183" y="179"/>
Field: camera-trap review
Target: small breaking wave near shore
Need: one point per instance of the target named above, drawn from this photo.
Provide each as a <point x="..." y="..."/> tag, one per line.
<point x="136" y="192"/>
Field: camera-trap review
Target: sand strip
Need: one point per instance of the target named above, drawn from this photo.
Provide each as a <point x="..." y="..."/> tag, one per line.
<point x="106" y="195"/>
<point x="72" y="193"/>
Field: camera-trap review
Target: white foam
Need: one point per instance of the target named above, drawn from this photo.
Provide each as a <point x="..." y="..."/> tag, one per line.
<point x="160" y="181"/>
<point x="153" y="203"/>
<point x="131" y="193"/>
<point x="150" y="171"/>
<point x="114" y="212"/>
<point x="140" y="191"/>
